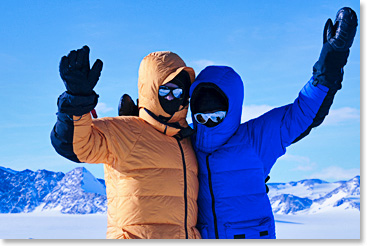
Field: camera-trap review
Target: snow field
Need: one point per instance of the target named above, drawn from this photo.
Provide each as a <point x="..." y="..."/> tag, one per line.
<point x="52" y="225"/>
<point x="332" y="224"/>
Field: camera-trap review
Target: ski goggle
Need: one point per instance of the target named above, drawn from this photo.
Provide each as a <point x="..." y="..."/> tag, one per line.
<point x="164" y="91"/>
<point x="216" y="117"/>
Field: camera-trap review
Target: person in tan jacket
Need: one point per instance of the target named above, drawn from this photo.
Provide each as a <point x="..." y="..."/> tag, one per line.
<point x="149" y="164"/>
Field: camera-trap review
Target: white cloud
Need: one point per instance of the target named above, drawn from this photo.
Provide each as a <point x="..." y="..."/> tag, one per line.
<point x="303" y="163"/>
<point x="199" y="65"/>
<point x="340" y="115"/>
<point x="253" y="111"/>
<point x="203" y="63"/>
<point x="103" y="108"/>
<point x="335" y="117"/>
<point x="336" y="173"/>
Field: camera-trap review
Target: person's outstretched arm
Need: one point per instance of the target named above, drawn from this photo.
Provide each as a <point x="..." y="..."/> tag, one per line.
<point x="280" y="127"/>
<point x="74" y="136"/>
<point x="328" y="70"/>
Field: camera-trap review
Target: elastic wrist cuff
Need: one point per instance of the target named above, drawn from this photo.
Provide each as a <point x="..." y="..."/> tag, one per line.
<point x="76" y="105"/>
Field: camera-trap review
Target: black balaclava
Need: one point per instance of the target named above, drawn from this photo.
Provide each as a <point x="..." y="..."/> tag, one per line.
<point x="207" y="97"/>
<point x="183" y="81"/>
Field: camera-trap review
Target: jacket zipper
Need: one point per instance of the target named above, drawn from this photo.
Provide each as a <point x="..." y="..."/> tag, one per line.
<point x="185" y="185"/>
<point x="212" y="195"/>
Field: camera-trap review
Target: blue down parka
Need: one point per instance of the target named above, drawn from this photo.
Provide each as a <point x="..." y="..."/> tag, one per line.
<point x="234" y="159"/>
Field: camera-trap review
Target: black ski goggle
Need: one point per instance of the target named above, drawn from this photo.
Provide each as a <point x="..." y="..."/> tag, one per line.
<point x="216" y="117"/>
<point x="164" y="91"/>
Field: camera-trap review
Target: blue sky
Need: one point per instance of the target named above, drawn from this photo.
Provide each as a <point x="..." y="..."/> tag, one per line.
<point x="271" y="44"/>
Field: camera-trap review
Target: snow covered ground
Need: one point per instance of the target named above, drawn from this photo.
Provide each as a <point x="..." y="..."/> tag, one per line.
<point x="336" y="224"/>
<point x="52" y="225"/>
<point x="326" y="225"/>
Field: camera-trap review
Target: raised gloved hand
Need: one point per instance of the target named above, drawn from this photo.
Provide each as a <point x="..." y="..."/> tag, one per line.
<point x="75" y="71"/>
<point x="338" y="38"/>
<point x="341" y="35"/>
<point x="127" y="106"/>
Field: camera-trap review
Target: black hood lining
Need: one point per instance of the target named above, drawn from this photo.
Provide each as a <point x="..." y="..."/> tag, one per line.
<point x="208" y="85"/>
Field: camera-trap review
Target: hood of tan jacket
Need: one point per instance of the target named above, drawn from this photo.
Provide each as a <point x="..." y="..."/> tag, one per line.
<point x="156" y="69"/>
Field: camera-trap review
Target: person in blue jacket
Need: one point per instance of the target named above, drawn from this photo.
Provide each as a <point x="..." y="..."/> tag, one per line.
<point x="235" y="159"/>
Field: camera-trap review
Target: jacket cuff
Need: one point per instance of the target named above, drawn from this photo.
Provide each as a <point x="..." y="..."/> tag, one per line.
<point x="76" y="105"/>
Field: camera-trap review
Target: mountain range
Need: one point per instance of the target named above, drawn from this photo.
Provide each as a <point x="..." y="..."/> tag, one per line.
<point x="314" y="195"/>
<point x="76" y="192"/>
<point x="79" y="192"/>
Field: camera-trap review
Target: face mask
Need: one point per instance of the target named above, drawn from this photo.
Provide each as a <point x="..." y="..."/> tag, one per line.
<point x="180" y="94"/>
<point x="170" y="106"/>
<point x="209" y="105"/>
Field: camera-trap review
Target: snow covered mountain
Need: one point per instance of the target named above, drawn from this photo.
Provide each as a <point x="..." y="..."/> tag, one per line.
<point x="25" y="190"/>
<point x="79" y="192"/>
<point x="289" y="204"/>
<point x="314" y="196"/>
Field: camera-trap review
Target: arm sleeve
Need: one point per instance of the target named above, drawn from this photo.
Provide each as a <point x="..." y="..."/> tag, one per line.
<point x="280" y="127"/>
<point x="92" y="141"/>
<point x="75" y="136"/>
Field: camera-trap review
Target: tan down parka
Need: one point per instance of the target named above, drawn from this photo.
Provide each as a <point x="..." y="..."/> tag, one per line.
<point x="151" y="176"/>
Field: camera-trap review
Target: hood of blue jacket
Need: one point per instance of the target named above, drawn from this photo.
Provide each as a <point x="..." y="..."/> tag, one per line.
<point x="209" y="139"/>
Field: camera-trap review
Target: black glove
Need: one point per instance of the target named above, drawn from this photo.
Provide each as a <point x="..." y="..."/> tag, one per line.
<point x="75" y="71"/>
<point x="338" y="38"/>
<point x="127" y="106"/>
<point x="341" y="35"/>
